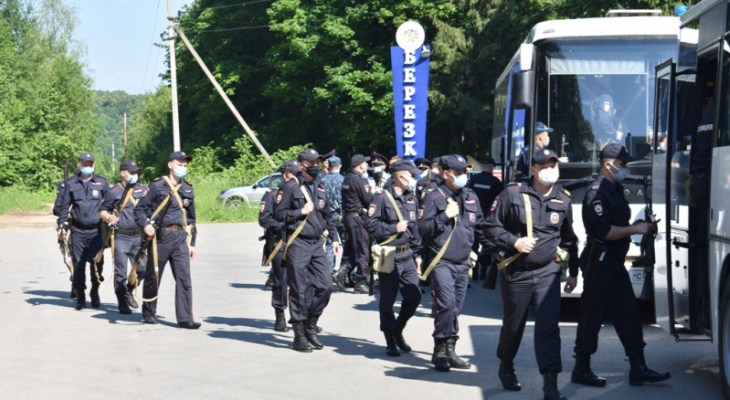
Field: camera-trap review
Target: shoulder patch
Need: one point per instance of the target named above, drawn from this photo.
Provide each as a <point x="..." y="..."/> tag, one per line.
<point x="263" y="206"/>
<point x="598" y="207"/>
<point x="421" y="211"/>
<point x="278" y="197"/>
<point x="494" y="204"/>
<point x="372" y="209"/>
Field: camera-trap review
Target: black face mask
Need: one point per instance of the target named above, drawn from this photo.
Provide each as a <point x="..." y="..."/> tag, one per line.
<point x="313" y="171"/>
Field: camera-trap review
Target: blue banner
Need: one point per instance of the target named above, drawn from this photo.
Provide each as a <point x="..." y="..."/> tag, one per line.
<point x="410" y="98"/>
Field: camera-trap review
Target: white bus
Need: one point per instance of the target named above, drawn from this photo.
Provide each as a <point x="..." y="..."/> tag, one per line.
<point x="691" y="185"/>
<point x="592" y="81"/>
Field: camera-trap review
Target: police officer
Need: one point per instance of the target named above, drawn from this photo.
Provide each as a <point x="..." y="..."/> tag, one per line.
<point x="60" y="190"/>
<point x="172" y="239"/>
<point x="383" y="222"/>
<point x="302" y="206"/>
<point x="432" y="176"/>
<point x="333" y="183"/>
<point x="452" y="214"/>
<point x="379" y="164"/>
<point x="542" y="139"/>
<point x="83" y="196"/>
<point x="274" y="242"/>
<point x="606" y="283"/>
<point x="118" y="212"/>
<point x="533" y="277"/>
<point x="356" y="196"/>
<point x="487" y="187"/>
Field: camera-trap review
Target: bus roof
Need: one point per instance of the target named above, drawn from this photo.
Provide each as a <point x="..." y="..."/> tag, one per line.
<point x="640" y="27"/>
<point x="697" y="10"/>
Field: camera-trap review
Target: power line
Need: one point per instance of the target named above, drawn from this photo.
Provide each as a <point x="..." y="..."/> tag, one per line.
<point x="149" y="54"/>
<point x="235" y="5"/>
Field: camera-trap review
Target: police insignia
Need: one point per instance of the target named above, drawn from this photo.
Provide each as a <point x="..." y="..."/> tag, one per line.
<point x="546" y="152"/>
<point x="263" y="205"/>
<point x="95" y="193"/>
<point x="371" y="210"/>
<point x="494" y="204"/>
<point x="554" y="218"/>
<point x="607" y="106"/>
<point x="598" y="208"/>
<point x="367" y="188"/>
<point x="472" y="217"/>
<point x="186" y="202"/>
<point x="413" y="215"/>
<point x="321" y="203"/>
<point x="278" y="198"/>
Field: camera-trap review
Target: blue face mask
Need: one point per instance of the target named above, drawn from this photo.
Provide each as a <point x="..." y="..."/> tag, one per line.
<point x="133" y="178"/>
<point x="87" y="170"/>
<point x="460" y="181"/>
<point x="180" y="172"/>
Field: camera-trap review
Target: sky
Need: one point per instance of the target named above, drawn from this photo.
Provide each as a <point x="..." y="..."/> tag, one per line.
<point x="119" y="37"/>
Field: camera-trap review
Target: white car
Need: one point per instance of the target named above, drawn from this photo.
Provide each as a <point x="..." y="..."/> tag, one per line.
<point x="249" y="196"/>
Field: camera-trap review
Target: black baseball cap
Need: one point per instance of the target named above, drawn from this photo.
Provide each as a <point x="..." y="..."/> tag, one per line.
<point x="358" y="159"/>
<point x="615" y="150"/>
<point x="86" y="157"/>
<point x="543" y="155"/>
<point x="291" y="166"/>
<point x="130" y="166"/>
<point x="488" y="160"/>
<point x="404" y="165"/>
<point x="454" y="161"/>
<point x="308" y="155"/>
<point x="179" y="155"/>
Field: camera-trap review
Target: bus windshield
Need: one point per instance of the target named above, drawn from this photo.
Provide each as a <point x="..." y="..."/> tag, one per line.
<point x="596" y="92"/>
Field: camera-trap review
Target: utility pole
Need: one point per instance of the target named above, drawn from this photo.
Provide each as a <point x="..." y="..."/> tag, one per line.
<point x="173" y="79"/>
<point x="125" y="136"/>
<point x="114" y="153"/>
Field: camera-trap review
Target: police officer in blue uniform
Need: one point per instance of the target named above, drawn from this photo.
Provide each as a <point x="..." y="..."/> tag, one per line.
<point x="333" y="183"/>
<point x="533" y="277"/>
<point x="542" y="139"/>
<point x="436" y="223"/>
<point x="356" y="196"/>
<point x="126" y="232"/>
<point x="302" y="206"/>
<point x="172" y="240"/>
<point x="606" y="283"/>
<point x="84" y="195"/>
<point x="382" y="224"/>
<point x="487" y="187"/>
<point x="274" y="242"/>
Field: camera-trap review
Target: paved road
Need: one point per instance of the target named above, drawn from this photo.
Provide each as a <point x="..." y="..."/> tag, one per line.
<point x="49" y="350"/>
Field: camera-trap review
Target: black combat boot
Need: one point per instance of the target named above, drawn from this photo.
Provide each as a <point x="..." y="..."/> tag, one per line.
<point x="508" y="376"/>
<point x="582" y="373"/>
<point x="129" y="296"/>
<point x="300" y="341"/>
<point x="94" y="294"/>
<point x="391" y="349"/>
<point x="454" y="360"/>
<point x="550" y="386"/>
<point x="361" y="286"/>
<point x="340" y="277"/>
<point x="123" y="306"/>
<point x="80" y="301"/>
<point x="640" y="373"/>
<point x="269" y="282"/>
<point x="280" y="324"/>
<point x="310" y="332"/>
<point x="439" y="359"/>
<point x="400" y="341"/>
<point x="73" y="292"/>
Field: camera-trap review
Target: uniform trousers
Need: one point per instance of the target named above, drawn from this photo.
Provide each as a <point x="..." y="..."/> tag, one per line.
<point x="279" y="291"/>
<point x="310" y="283"/>
<point x="607" y="289"/>
<point x="357" y="245"/>
<point x="539" y="288"/>
<point x="449" y="281"/>
<point x="85" y="245"/>
<point x="172" y="246"/>
<point x="125" y="250"/>
<point x="404" y="278"/>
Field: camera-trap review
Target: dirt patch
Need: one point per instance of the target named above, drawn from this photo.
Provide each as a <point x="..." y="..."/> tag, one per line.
<point x="28" y="220"/>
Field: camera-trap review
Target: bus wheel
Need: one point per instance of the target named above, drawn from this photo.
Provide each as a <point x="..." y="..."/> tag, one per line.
<point x="724" y="342"/>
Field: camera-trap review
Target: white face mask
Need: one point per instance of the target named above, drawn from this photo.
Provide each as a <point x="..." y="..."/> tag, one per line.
<point x="548" y="176"/>
<point x="132" y="178"/>
<point x="620" y="175"/>
<point x="377" y="169"/>
<point x="410" y="185"/>
<point x="547" y="142"/>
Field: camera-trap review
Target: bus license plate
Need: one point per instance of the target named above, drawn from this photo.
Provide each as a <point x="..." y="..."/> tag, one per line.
<point x="636" y="274"/>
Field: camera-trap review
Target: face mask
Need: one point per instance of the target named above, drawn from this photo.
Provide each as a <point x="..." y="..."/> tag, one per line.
<point x="460" y="181"/>
<point x="620" y="175"/>
<point x="662" y="148"/>
<point x="547" y="142"/>
<point x="313" y="171"/>
<point x="378" y="169"/>
<point x="421" y="176"/>
<point x="180" y="172"/>
<point x="87" y="170"/>
<point x="410" y="185"/>
<point x="548" y="176"/>
<point x="132" y="179"/>
<point x="365" y="174"/>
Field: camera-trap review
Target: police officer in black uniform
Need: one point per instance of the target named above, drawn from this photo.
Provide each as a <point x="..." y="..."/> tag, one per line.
<point x="126" y="232"/>
<point x="356" y="196"/>
<point x="273" y="233"/>
<point x="60" y="191"/>
<point x="84" y="195"/>
<point x="606" y="283"/>
<point x="382" y="224"/>
<point x="542" y="139"/>
<point x="487" y="187"/>
<point x="533" y="277"/>
<point x="172" y="240"/>
<point x="302" y="206"/>
<point x="431" y="180"/>
<point x="451" y="273"/>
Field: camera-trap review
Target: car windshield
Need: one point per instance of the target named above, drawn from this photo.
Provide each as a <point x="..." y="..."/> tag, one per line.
<point x="275" y="181"/>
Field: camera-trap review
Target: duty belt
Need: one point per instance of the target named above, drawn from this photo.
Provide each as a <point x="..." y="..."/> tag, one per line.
<point x="128" y="232"/>
<point x="361" y="211"/>
<point x="82" y="226"/>
<point x="173" y="228"/>
<point x="530" y="266"/>
<point x="402" y="249"/>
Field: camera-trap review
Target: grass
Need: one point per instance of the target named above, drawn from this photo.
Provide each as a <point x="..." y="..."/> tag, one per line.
<point x="15" y="199"/>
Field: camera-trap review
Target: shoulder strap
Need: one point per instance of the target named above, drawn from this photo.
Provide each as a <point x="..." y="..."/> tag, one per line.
<point x="528" y="220"/>
<point x="397" y="212"/>
<point x="126" y="199"/>
<point x="301" y="226"/>
<point x="177" y="198"/>
<point x="441" y="252"/>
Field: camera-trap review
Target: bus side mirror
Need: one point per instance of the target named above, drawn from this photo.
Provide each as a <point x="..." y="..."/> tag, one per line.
<point x="523" y="87"/>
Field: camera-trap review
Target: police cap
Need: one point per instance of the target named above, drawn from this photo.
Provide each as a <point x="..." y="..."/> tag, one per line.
<point x="542" y="156"/>
<point x="488" y="160"/>
<point x="379" y="159"/>
<point x="179" y="155"/>
<point x="308" y="155"/>
<point x="404" y="165"/>
<point x="290" y="166"/>
<point x="540" y="128"/>
<point x="334" y="161"/>
<point x="130" y="166"/>
<point x="615" y="150"/>
<point x="454" y="161"/>
<point x="358" y="159"/>
<point x="423" y="163"/>
<point x="86" y="157"/>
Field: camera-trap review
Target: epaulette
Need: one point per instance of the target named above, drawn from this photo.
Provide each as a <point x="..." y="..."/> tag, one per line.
<point x="514" y="185"/>
<point x="157" y="179"/>
<point x="102" y="177"/>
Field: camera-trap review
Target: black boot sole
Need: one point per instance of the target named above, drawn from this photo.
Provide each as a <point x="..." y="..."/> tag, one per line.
<point x="640" y="382"/>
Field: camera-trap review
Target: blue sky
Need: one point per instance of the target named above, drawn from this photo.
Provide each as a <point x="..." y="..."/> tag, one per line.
<point x="119" y="36"/>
